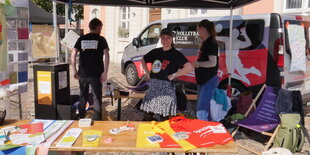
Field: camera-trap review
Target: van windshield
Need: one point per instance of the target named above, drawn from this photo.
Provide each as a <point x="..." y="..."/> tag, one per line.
<point x="297" y="43"/>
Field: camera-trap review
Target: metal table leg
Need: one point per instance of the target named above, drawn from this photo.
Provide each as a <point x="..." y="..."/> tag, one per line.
<point x="119" y="108"/>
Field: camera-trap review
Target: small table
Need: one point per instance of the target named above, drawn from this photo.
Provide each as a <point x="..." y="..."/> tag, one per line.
<point x="191" y="97"/>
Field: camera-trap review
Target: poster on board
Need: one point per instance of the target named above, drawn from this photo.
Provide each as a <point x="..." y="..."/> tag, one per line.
<point x="42" y="45"/>
<point x="297" y="42"/>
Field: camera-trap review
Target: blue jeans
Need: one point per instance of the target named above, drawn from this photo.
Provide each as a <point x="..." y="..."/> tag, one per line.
<point x="205" y="94"/>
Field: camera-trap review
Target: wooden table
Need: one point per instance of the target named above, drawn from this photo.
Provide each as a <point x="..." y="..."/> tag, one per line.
<point x="191" y="97"/>
<point x="126" y="141"/>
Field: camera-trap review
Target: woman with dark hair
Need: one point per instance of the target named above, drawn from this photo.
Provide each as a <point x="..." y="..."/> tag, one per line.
<point x="167" y="64"/>
<point x="206" y="68"/>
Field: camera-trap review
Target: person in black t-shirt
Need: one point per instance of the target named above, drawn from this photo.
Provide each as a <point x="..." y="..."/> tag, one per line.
<point x="93" y="70"/>
<point x="206" y="68"/>
<point x="167" y="64"/>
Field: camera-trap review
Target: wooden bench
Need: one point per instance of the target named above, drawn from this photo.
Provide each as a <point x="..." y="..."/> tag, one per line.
<point x="191" y="97"/>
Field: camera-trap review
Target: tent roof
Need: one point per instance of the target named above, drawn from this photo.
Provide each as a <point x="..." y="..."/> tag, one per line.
<point x="213" y="4"/>
<point x="40" y="16"/>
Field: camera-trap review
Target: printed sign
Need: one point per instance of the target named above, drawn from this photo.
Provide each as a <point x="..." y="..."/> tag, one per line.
<point x="62" y="76"/>
<point x="297" y="41"/>
<point x="89" y="44"/>
<point x="70" y="39"/>
<point x="44" y="84"/>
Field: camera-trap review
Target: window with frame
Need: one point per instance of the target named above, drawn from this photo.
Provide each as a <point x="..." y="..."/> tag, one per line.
<point x="293" y="4"/>
<point x="95" y="13"/>
<point x="197" y="12"/>
<point x="124" y="22"/>
<point x="150" y="36"/>
<point x="125" y="15"/>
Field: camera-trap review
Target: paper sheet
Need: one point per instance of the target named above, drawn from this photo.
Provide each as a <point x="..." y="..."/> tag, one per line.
<point x="297" y="42"/>
<point x="10" y="11"/>
<point x="62" y="76"/>
<point x="69" y="138"/>
<point x="23" y="56"/>
<point x="12" y="46"/>
<point x="11" y="23"/>
<point x="23" y="13"/>
<point x="12" y="34"/>
<point x="22" y="46"/>
<point x="91" y="138"/>
<point x="70" y="39"/>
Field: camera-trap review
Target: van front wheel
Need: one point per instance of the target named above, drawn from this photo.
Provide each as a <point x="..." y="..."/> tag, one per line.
<point x="131" y="75"/>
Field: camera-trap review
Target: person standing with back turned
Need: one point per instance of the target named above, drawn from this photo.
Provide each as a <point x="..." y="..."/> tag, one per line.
<point x="206" y="68"/>
<point x="93" y="70"/>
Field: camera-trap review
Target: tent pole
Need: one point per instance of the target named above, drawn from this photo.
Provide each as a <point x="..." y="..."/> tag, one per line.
<point x="230" y="53"/>
<point x="66" y="30"/>
<point x="55" y="31"/>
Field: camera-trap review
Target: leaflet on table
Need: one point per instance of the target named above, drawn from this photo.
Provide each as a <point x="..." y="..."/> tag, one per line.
<point x="46" y="123"/>
<point x="52" y="128"/>
<point x="33" y="128"/>
<point x="91" y="138"/>
<point x="69" y="138"/>
<point x="15" y="136"/>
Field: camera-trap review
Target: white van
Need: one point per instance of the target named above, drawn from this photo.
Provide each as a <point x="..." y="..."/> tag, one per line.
<point x="270" y="49"/>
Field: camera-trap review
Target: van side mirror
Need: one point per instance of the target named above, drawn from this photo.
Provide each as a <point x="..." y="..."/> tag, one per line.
<point x="135" y="42"/>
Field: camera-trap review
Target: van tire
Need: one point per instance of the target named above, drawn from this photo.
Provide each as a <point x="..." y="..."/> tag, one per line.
<point x="131" y="74"/>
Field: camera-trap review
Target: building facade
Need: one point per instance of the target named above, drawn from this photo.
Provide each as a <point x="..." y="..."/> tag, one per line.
<point x="298" y="7"/>
<point x="120" y="25"/>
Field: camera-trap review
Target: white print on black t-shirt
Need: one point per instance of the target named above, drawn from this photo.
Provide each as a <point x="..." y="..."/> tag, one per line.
<point x="89" y="44"/>
<point x="156" y="67"/>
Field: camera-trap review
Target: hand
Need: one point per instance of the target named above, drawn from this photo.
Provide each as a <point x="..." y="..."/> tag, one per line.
<point x="76" y="76"/>
<point x="171" y="77"/>
<point x="243" y="31"/>
<point x="104" y="77"/>
<point x="194" y="64"/>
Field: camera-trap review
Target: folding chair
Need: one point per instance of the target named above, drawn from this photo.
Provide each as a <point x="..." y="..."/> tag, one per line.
<point x="264" y="117"/>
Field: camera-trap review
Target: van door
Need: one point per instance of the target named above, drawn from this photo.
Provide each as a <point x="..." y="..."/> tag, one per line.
<point x="148" y="39"/>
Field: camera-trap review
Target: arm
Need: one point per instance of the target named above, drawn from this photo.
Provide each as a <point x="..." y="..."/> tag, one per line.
<point x="104" y="75"/>
<point x="187" y="67"/>
<point x="247" y="42"/>
<point x="73" y="62"/>
<point x="208" y="64"/>
<point x="144" y="66"/>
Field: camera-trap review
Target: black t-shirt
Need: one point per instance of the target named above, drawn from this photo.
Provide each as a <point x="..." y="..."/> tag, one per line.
<point x="209" y="47"/>
<point x="164" y="63"/>
<point x="91" y="48"/>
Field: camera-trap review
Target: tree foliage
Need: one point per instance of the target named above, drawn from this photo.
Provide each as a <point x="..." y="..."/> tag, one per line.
<point x="47" y="5"/>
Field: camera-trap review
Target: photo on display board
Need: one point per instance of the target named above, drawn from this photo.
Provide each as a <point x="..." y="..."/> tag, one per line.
<point x="22" y="46"/>
<point x="11" y="58"/>
<point x="22" y="12"/>
<point x="11" y="24"/>
<point x="22" y="72"/>
<point x="12" y="34"/>
<point x="23" y="56"/>
<point x="10" y="11"/>
<point x="12" y="46"/>
<point x="13" y="68"/>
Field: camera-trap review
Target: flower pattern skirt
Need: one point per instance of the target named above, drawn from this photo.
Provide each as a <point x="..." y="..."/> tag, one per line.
<point x="160" y="98"/>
